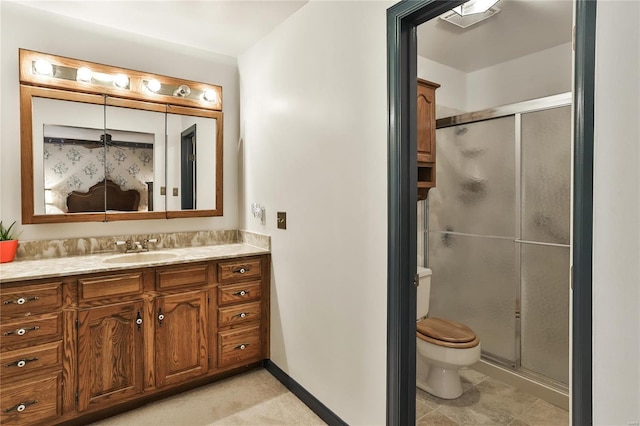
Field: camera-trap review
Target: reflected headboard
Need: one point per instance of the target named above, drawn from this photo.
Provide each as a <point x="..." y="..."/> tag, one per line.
<point x="93" y="199"/>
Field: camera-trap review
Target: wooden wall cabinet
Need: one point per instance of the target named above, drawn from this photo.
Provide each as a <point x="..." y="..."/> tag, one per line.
<point x="426" y="137"/>
<point x="89" y="343"/>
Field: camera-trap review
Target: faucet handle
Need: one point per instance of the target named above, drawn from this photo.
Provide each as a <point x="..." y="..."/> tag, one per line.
<point x="145" y="242"/>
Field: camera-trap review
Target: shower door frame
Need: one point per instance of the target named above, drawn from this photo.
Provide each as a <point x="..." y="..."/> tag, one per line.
<point x="402" y="21"/>
<point x="515" y="110"/>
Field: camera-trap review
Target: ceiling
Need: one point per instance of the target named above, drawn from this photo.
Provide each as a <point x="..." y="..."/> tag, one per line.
<point x="520" y="28"/>
<point x="230" y="27"/>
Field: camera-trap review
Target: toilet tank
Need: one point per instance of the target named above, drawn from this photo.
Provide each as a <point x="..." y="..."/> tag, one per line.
<point x="424" y="290"/>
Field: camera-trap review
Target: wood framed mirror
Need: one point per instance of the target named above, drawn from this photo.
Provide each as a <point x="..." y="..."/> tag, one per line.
<point x="101" y="143"/>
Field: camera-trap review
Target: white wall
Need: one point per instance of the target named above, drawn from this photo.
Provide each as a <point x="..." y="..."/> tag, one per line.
<point x="314" y="130"/>
<point x="452" y="92"/>
<point x="616" y="270"/>
<point x="29" y="28"/>
<point x="539" y="74"/>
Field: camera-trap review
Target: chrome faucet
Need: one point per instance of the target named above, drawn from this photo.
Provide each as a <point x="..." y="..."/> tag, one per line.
<point x="136" y="246"/>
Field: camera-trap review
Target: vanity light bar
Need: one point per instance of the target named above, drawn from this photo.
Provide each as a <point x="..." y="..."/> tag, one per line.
<point x="44" y="70"/>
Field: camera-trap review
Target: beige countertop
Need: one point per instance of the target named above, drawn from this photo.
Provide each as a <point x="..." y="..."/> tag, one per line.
<point x="75" y="265"/>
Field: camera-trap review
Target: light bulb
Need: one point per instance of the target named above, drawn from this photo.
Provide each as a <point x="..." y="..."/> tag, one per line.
<point x="43" y="67"/>
<point x="153" y="85"/>
<point x="210" y="95"/>
<point x="121" y="80"/>
<point x="84" y="74"/>
<point x="182" y="91"/>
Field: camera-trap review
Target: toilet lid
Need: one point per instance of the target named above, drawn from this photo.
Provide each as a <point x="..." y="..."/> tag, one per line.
<point x="445" y="330"/>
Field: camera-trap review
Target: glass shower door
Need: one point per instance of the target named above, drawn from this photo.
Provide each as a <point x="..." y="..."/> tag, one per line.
<point x="544" y="242"/>
<point x="471" y="232"/>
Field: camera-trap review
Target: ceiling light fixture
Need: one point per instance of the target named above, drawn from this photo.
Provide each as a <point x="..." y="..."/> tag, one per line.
<point x="43" y="67"/>
<point x="84" y="74"/>
<point x="121" y="80"/>
<point x="182" y="91"/>
<point x="210" y="95"/>
<point x="153" y="85"/>
<point x="474" y="6"/>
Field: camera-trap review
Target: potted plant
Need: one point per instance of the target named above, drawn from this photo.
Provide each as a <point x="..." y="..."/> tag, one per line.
<point x="8" y="243"/>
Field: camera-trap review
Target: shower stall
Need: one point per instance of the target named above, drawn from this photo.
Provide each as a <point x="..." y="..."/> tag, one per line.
<point x="497" y="233"/>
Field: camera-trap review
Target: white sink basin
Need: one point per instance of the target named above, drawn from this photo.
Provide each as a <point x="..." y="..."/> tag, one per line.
<point x="146" y="256"/>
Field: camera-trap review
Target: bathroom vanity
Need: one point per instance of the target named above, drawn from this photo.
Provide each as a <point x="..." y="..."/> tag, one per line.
<point x="77" y="346"/>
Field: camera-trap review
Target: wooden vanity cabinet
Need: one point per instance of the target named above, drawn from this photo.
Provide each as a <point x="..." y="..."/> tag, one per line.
<point x="181" y="323"/>
<point x="242" y="311"/>
<point x="110" y="338"/>
<point x="96" y="341"/>
<point x="426" y="137"/>
<point x="35" y="370"/>
<point x="110" y="354"/>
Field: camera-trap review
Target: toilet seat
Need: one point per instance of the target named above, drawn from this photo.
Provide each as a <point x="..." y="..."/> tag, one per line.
<point x="446" y="333"/>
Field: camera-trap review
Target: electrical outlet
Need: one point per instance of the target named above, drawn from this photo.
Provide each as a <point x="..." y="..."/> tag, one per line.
<point x="282" y="220"/>
<point x="163" y="190"/>
<point x="175" y="192"/>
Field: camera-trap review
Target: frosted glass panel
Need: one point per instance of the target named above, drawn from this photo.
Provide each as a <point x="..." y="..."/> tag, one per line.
<point x="474" y="281"/>
<point x="475" y="190"/>
<point x="546" y="180"/>
<point x="545" y="311"/>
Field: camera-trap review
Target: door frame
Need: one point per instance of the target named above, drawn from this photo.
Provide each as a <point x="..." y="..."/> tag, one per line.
<point x="402" y="21"/>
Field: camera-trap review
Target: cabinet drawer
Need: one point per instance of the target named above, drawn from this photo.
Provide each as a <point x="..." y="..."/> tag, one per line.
<point x="238" y="314"/>
<point x="33" y="401"/>
<point x="239" y="292"/>
<point x="237" y="345"/>
<point x="24" y="361"/>
<point x="35" y="328"/>
<point x="111" y="285"/>
<point x="239" y="270"/>
<point x="181" y="277"/>
<point x="38" y="298"/>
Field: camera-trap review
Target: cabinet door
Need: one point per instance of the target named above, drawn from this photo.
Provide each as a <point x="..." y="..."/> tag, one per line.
<point x="426" y="121"/>
<point x="110" y="353"/>
<point x="181" y="337"/>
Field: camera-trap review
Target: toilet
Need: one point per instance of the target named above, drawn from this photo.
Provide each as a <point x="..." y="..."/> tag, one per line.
<point x="443" y="347"/>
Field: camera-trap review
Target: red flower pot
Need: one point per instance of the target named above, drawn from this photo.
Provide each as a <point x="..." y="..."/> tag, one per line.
<point x="8" y="250"/>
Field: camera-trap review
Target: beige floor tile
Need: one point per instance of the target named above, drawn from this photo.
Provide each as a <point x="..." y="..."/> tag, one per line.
<point x="504" y="398"/>
<point x="435" y="419"/>
<point x="252" y="398"/>
<point x="487" y="401"/>
<point x="544" y="414"/>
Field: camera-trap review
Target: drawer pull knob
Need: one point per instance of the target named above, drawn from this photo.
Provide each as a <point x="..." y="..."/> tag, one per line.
<point x="21" y="363"/>
<point x="241" y="293"/>
<point x="20" y="407"/>
<point x="242" y="347"/>
<point x="241" y="315"/>
<point x="241" y="270"/>
<point x="21" y="331"/>
<point x="21" y="300"/>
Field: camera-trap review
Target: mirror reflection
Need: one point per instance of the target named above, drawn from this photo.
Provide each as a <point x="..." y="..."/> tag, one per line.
<point x="96" y="150"/>
<point x="191" y="148"/>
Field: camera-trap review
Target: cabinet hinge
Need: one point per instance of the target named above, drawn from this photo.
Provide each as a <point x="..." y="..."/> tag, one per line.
<point x="209" y="359"/>
<point x="77" y="399"/>
<point x="76" y="324"/>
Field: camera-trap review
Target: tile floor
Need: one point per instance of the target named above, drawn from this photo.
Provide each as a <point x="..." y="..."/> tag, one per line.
<point x="487" y="401"/>
<point x="256" y="398"/>
<point x="252" y="399"/>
